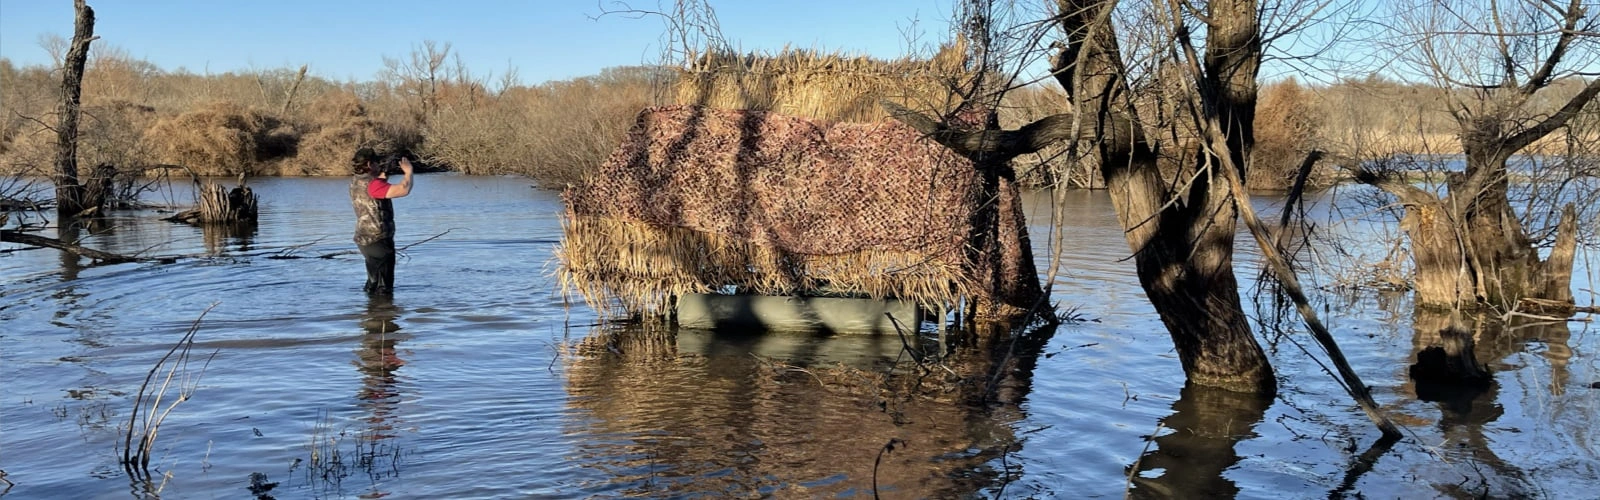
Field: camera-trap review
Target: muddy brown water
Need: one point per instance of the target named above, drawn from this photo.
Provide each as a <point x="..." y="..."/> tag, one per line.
<point x="478" y="381"/>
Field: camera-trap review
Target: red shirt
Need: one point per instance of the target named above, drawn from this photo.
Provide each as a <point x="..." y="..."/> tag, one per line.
<point x="378" y="189"/>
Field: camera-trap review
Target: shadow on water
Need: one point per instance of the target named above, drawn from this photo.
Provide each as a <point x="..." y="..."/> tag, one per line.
<point x="693" y="412"/>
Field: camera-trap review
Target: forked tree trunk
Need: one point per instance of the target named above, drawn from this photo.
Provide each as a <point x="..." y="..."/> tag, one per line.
<point x="1486" y="259"/>
<point x="1183" y="249"/>
<point x="1502" y="262"/>
<point x="1469" y="249"/>
<point x="70" y="195"/>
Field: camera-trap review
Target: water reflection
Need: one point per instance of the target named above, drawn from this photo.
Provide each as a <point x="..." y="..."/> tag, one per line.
<point x="1197" y="445"/>
<point x="739" y="413"/>
<point x="73" y="230"/>
<point x="380" y="396"/>
<point x="1467" y="410"/>
<point x="378" y="361"/>
<point x="219" y="235"/>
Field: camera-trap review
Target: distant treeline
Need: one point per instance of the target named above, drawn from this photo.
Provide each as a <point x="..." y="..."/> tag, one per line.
<point x="138" y="117"/>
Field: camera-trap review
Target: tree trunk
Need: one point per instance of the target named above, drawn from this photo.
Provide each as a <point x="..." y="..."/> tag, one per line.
<point x="1470" y="249"/>
<point x="1014" y="285"/>
<point x="1184" y="249"/>
<point x="70" y="195"/>
<point x="1441" y="275"/>
<point x="1182" y="240"/>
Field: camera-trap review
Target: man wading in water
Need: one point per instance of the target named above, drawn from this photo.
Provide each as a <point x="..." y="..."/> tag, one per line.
<point x="370" y="193"/>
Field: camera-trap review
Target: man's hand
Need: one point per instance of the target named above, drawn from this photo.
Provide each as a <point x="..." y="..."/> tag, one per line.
<point x="404" y="187"/>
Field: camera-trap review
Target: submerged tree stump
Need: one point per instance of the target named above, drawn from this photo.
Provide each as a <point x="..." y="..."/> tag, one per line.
<point x="215" y="203"/>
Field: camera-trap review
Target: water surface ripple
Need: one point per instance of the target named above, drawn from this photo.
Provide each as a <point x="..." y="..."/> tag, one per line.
<point x="476" y="380"/>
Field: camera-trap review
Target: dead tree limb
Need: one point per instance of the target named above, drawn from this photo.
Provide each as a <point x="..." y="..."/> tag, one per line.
<point x="1291" y="286"/>
<point x="293" y="89"/>
<point x="350" y="252"/>
<point x="1008" y="144"/>
<point x="12" y="236"/>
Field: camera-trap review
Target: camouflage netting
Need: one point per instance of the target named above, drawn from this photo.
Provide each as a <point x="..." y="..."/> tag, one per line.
<point x="697" y="200"/>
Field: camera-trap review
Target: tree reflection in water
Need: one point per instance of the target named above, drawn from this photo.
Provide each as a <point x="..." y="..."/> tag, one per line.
<point x="679" y="412"/>
<point x="218" y="235"/>
<point x="1197" y="445"/>
<point x="1518" y="351"/>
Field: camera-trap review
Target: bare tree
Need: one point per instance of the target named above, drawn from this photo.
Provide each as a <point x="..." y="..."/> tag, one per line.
<point x="1178" y="210"/>
<point x="1180" y="229"/>
<point x="1181" y="233"/>
<point x="420" y="75"/>
<point x="71" y="197"/>
<point x="1470" y="247"/>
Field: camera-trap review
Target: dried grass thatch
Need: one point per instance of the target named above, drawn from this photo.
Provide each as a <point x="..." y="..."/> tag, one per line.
<point x="697" y="200"/>
<point x="828" y="87"/>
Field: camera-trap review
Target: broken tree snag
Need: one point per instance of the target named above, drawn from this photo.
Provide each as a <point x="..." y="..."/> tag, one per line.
<point x="70" y="199"/>
<point x="214" y="204"/>
<point x="1003" y="145"/>
<point x="1486" y="255"/>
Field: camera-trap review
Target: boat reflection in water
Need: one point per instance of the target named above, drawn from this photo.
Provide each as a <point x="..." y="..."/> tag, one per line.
<point x="726" y="412"/>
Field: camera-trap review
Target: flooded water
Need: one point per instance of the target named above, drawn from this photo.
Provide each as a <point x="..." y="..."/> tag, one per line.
<point x="477" y="380"/>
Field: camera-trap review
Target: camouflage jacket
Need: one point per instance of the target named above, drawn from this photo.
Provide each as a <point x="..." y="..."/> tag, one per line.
<point x="374" y="216"/>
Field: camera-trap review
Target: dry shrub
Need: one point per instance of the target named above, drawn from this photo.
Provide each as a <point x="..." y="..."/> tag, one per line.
<point x="108" y="134"/>
<point x="221" y="138"/>
<point x="1286" y="130"/>
<point x="497" y="139"/>
<point x="556" y="133"/>
<point x="337" y="124"/>
<point x="26" y="94"/>
<point x="114" y="74"/>
<point x="27" y="98"/>
<point x="31" y="151"/>
<point x="109" y="140"/>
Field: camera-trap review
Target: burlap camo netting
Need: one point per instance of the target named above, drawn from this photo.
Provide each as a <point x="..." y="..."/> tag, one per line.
<point x="705" y="200"/>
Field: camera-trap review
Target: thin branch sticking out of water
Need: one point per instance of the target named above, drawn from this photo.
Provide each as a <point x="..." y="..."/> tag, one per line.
<point x="352" y="252"/>
<point x="136" y="459"/>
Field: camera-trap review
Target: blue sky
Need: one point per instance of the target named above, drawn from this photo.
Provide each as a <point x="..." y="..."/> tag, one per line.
<point x="543" y="39"/>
